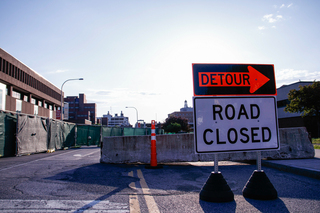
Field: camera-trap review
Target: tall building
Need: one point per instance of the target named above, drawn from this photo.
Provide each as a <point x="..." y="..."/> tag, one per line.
<point x="116" y="120"/>
<point x="185" y="112"/>
<point x="24" y="90"/>
<point x="80" y="111"/>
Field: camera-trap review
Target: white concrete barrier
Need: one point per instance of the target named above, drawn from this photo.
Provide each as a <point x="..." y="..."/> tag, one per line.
<point x="294" y="143"/>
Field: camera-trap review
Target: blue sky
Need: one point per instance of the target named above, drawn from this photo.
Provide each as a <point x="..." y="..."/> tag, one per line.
<point x="139" y="53"/>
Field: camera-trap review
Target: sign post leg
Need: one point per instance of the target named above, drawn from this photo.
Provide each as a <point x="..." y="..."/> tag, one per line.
<point x="259" y="161"/>
<point x="216" y="188"/>
<point x="216" y="169"/>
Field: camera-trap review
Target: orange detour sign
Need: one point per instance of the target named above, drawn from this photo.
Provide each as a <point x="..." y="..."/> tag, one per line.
<point x="233" y="79"/>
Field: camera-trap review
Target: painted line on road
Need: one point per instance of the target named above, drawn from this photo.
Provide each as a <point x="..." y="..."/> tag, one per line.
<point x="151" y="203"/>
<point x="91" y="153"/>
<point x="133" y="199"/>
<point x="36" y="160"/>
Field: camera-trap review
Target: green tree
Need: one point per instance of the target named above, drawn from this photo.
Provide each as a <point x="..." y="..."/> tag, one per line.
<point x="173" y="127"/>
<point x="173" y="119"/>
<point x="306" y="100"/>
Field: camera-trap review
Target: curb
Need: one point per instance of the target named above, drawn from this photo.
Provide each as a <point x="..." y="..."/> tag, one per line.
<point x="296" y="170"/>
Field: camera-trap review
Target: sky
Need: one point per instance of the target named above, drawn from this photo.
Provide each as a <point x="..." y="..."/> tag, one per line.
<point x="139" y="53"/>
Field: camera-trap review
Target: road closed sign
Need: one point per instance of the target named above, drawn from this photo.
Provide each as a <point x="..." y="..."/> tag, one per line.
<point x="228" y="124"/>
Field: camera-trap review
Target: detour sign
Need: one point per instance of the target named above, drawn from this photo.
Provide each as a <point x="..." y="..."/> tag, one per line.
<point x="234" y="107"/>
<point x="233" y="79"/>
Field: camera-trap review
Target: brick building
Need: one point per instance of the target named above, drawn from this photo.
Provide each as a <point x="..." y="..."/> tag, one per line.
<point x="185" y="112"/>
<point x="24" y="90"/>
<point x="80" y="111"/>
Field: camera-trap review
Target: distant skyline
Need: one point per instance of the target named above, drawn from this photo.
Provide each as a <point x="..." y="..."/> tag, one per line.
<point x="140" y="53"/>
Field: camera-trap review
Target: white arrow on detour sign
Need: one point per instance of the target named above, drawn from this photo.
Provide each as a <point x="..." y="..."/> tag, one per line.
<point x="228" y="124"/>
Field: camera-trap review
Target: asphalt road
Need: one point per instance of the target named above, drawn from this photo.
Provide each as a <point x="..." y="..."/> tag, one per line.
<point x="74" y="181"/>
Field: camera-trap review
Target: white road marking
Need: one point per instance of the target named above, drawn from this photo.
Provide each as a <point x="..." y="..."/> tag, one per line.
<point x="91" y="153"/>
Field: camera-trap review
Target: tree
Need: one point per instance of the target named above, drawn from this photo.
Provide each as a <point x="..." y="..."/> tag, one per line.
<point x="306" y="100"/>
<point x="173" y="119"/>
<point x="173" y="127"/>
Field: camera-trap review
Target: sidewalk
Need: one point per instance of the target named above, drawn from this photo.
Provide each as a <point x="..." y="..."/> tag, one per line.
<point x="305" y="167"/>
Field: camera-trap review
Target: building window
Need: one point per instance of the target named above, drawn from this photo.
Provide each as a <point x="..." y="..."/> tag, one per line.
<point x="16" y="95"/>
<point x="282" y="103"/>
<point x="2" y="96"/>
<point x="35" y="109"/>
<point x="18" y="105"/>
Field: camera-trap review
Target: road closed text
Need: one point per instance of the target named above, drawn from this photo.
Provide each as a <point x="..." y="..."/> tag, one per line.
<point x="244" y="134"/>
<point x="224" y="124"/>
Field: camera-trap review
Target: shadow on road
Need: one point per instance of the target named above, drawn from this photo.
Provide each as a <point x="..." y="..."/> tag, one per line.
<point x="268" y="205"/>
<point x="228" y="207"/>
<point x="111" y="179"/>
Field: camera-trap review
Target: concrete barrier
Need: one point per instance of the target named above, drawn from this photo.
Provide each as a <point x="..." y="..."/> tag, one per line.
<point x="294" y="143"/>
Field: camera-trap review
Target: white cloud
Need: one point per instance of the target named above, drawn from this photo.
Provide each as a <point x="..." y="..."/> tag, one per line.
<point x="59" y="71"/>
<point x="261" y="27"/>
<point x="103" y="92"/>
<point x="271" y="18"/>
<point x="287" y="76"/>
<point x="283" y="6"/>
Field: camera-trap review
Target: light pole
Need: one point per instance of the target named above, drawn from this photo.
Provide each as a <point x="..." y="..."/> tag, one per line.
<point x="61" y="107"/>
<point x="136" y="111"/>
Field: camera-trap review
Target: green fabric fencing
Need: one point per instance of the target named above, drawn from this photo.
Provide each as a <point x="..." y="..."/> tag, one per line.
<point x="94" y="135"/>
<point x="55" y="134"/>
<point x="8" y="123"/>
<point x="32" y="134"/>
<point x="88" y="135"/>
<point x="69" y="134"/>
<point x="133" y="131"/>
<point x="111" y="131"/>
<point x="158" y="131"/>
<point x="127" y="131"/>
<point x="82" y="135"/>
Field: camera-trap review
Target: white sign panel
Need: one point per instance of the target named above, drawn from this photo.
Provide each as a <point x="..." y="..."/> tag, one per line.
<point x="227" y="124"/>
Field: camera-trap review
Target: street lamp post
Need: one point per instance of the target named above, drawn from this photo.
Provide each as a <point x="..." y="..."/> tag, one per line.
<point x="136" y="111"/>
<point x="61" y="107"/>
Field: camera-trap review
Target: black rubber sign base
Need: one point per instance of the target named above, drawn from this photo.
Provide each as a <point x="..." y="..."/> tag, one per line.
<point x="259" y="187"/>
<point x="216" y="189"/>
